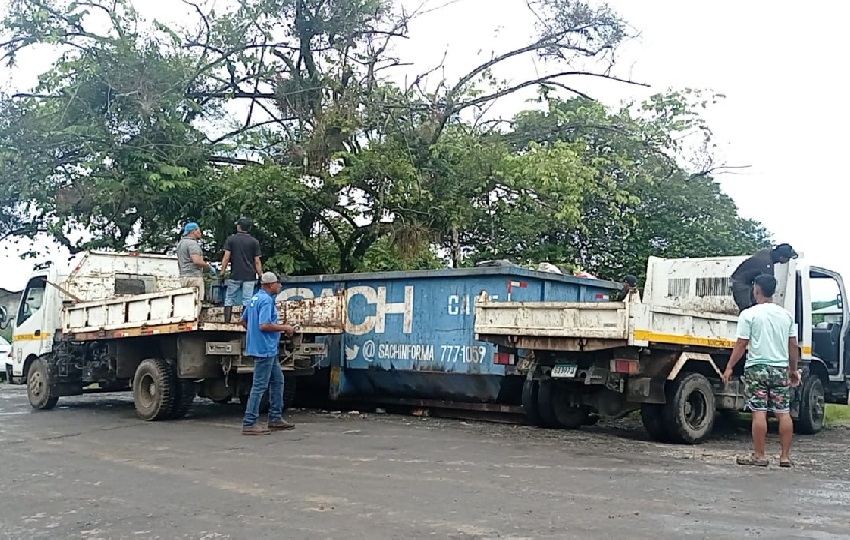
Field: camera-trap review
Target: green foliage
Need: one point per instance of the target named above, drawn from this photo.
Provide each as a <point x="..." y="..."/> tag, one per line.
<point x="132" y="132"/>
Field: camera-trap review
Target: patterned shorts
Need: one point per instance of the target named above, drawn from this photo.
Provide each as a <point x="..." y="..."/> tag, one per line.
<point x="767" y="388"/>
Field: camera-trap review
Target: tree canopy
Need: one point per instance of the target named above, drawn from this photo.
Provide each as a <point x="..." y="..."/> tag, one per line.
<point x="289" y="111"/>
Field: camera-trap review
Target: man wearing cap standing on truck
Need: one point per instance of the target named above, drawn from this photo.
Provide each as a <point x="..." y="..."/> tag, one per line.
<point x="263" y="331"/>
<point x="760" y="263"/>
<point x="242" y="252"/>
<point x="190" y="259"/>
<point x="629" y="284"/>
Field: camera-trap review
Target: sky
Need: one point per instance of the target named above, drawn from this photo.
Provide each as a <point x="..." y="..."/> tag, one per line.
<point x="783" y="115"/>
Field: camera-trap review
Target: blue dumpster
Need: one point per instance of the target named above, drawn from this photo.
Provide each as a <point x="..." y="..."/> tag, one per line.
<point x="410" y="335"/>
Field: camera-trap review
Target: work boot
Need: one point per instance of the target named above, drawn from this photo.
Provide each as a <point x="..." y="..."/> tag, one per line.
<point x="228" y="313"/>
<point x="255" y="430"/>
<point x="280" y="425"/>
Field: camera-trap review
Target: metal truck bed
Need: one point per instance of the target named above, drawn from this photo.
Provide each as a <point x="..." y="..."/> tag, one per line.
<point x="180" y="310"/>
<point x="594" y="326"/>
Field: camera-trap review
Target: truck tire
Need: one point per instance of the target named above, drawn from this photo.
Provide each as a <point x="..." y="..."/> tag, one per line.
<point x="592" y="419"/>
<point x="529" y="401"/>
<point x="652" y="417"/>
<point x="546" y="394"/>
<point x="40" y="390"/>
<point x="154" y="389"/>
<point x="690" y="409"/>
<point x="184" y="396"/>
<point x="812" y="406"/>
<point x="568" y="415"/>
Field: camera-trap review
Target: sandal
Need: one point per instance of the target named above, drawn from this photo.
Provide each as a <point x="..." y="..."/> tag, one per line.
<point x="753" y="461"/>
<point x="786" y="464"/>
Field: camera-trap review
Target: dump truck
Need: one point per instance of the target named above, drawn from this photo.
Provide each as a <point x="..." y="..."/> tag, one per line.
<point x="121" y="321"/>
<point x="663" y="353"/>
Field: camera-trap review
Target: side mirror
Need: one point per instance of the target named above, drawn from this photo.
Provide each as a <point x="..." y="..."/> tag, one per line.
<point x="4" y="317"/>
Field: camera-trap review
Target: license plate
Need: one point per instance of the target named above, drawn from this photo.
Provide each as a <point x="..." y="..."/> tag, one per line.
<point x="564" y="371"/>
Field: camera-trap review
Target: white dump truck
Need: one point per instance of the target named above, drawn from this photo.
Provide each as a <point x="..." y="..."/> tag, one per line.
<point x="664" y="353"/>
<point x="121" y="321"/>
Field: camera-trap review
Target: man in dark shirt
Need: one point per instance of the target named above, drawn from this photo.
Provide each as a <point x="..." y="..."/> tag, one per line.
<point x="242" y="252"/>
<point x="629" y="283"/>
<point x="761" y="263"/>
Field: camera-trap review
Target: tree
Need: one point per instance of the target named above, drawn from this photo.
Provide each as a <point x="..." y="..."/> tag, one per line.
<point x="645" y="201"/>
<point x="144" y="106"/>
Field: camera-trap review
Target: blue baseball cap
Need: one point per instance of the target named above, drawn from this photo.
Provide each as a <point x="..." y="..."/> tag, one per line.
<point x="191" y="226"/>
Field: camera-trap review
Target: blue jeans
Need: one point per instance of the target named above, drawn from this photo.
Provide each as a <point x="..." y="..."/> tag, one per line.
<point x="267" y="375"/>
<point x="237" y="289"/>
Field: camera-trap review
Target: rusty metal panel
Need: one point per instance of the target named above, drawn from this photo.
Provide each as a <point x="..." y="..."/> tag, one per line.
<point x="132" y="313"/>
<point x="590" y="320"/>
<point x="314" y="316"/>
<point x="704" y="284"/>
<point x="95" y="274"/>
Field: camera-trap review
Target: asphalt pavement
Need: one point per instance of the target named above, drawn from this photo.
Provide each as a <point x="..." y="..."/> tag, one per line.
<point x="90" y="469"/>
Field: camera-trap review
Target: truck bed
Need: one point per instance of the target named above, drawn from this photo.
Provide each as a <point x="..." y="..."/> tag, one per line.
<point x="180" y="310"/>
<point x="599" y="325"/>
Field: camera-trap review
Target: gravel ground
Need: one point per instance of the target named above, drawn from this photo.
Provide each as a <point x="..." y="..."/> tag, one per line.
<point x="90" y="469"/>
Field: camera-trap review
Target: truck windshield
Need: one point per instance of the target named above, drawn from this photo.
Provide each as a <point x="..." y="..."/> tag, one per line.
<point x="32" y="299"/>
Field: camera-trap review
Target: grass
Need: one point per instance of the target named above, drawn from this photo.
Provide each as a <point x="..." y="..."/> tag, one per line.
<point x="837" y="414"/>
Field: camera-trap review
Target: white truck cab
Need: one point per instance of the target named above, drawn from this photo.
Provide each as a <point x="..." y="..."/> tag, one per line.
<point x="89" y="276"/>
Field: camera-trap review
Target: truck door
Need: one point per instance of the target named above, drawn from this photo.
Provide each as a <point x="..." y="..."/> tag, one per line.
<point x="30" y="336"/>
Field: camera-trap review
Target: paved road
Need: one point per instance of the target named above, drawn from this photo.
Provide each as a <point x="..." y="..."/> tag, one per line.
<point x="89" y="469"/>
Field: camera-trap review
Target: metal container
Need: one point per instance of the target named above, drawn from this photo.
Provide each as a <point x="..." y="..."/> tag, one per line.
<point x="410" y="335"/>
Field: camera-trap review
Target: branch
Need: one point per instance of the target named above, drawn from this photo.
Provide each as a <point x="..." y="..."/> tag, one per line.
<point x="548" y="79"/>
<point x="227" y="160"/>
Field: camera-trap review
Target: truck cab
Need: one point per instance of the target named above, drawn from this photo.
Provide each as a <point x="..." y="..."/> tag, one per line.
<point x="35" y="322"/>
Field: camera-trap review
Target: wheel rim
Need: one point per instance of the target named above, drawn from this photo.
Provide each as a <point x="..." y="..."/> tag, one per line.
<point x="695" y="410"/>
<point x="147" y="391"/>
<point x="817" y="404"/>
<point x="36" y="384"/>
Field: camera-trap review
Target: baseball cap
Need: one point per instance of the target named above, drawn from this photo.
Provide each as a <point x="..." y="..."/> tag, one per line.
<point x="630" y="279"/>
<point x="786" y="251"/>
<point x="244" y="222"/>
<point x="191" y="226"/>
<point x="268" y="278"/>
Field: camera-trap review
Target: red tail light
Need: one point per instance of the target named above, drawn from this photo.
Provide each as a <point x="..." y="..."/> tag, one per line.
<point x="619" y="365"/>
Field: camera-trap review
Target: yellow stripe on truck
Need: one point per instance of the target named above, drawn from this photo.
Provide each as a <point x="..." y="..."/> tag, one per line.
<point x="30" y="337"/>
<point x="646" y="335"/>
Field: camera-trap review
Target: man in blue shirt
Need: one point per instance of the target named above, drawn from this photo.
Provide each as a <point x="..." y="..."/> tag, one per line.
<point x="263" y="331"/>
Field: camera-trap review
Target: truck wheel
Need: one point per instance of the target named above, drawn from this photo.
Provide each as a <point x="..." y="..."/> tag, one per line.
<point x="184" y="396"/>
<point x="154" y="389"/>
<point x="569" y="416"/>
<point x="39" y="388"/>
<point x="592" y="420"/>
<point x="690" y="409"/>
<point x="289" y="391"/>
<point x="529" y="401"/>
<point x="812" y="406"/>
<point x="652" y="417"/>
<point x="546" y="395"/>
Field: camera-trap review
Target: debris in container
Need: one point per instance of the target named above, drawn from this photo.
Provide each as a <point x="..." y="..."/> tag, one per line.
<point x="421" y="412"/>
<point x="379" y="410"/>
